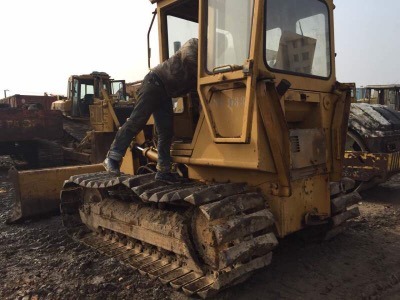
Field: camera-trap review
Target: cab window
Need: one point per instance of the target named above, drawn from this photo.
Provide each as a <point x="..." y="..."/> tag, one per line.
<point x="180" y="31"/>
<point x="297" y="37"/>
<point x="228" y="33"/>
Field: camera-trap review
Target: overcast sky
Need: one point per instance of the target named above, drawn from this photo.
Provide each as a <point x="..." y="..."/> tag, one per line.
<point x="43" y="42"/>
<point x="367" y="41"/>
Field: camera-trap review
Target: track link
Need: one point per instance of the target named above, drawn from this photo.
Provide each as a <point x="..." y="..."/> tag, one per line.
<point x="341" y="206"/>
<point x="50" y="154"/>
<point x="198" y="238"/>
<point x="76" y="129"/>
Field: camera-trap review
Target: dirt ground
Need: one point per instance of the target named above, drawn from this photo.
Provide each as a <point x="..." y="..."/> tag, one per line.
<point x="39" y="261"/>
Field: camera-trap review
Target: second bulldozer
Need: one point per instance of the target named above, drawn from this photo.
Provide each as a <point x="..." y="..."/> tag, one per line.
<point x="261" y="143"/>
<point x="95" y="107"/>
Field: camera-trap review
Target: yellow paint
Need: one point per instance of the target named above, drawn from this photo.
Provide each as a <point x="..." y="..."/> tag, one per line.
<point x="249" y="133"/>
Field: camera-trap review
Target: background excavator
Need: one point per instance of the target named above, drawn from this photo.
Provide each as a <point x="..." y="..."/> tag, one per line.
<point x="262" y="155"/>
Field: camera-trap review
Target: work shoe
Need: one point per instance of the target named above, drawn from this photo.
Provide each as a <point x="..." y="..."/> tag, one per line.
<point x="112" y="166"/>
<point x="167" y="177"/>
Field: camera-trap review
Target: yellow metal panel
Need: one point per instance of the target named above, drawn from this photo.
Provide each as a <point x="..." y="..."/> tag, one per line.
<point x="310" y="195"/>
<point x="100" y="118"/>
<point x="302" y="96"/>
<point x="128" y="166"/>
<point x="63" y="105"/>
<point x="254" y="155"/>
<point x="227" y="111"/>
<point x="254" y="178"/>
<point x="38" y="191"/>
<point x="181" y="152"/>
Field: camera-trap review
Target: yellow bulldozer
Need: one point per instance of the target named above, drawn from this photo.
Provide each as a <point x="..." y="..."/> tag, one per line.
<point x="261" y="143"/>
<point x="95" y="107"/>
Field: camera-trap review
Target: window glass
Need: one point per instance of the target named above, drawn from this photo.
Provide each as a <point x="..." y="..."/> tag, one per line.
<point x="272" y="45"/>
<point x="86" y="89"/>
<point x="361" y="93"/>
<point x="390" y="98"/>
<point x="228" y="32"/>
<point x="153" y="43"/>
<point x="297" y="36"/>
<point x="374" y="95"/>
<point x="178" y="105"/>
<point x="117" y="88"/>
<point x="76" y="86"/>
<point x="179" y="32"/>
<point x="70" y="90"/>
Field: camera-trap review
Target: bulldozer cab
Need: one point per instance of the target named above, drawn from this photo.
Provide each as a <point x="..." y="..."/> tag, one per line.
<point x="84" y="89"/>
<point x="267" y="102"/>
<point x="388" y="95"/>
<point x="180" y="23"/>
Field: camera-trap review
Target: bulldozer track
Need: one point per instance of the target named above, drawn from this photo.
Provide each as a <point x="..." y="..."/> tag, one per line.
<point x="76" y="129"/>
<point x="198" y="238"/>
<point x="342" y="210"/>
<point x="50" y="154"/>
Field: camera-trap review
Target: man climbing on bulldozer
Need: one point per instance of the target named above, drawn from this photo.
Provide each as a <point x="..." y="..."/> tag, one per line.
<point x="174" y="77"/>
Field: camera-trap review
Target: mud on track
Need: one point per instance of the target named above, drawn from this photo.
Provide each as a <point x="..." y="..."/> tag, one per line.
<point x="39" y="261"/>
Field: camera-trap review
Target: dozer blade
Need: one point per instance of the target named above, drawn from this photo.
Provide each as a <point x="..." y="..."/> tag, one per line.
<point x="37" y="192"/>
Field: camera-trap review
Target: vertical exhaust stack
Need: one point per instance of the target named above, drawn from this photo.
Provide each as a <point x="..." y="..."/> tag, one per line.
<point x="37" y="192"/>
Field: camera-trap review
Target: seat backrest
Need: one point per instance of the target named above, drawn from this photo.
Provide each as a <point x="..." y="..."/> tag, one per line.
<point x="88" y="99"/>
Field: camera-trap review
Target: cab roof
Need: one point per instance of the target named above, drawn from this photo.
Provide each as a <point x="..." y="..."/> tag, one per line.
<point x="383" y="87"/>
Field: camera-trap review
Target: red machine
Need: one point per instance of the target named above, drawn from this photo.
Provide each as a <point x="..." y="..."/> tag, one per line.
<point x="24" y="101"/>
<point x="28" y="129"/>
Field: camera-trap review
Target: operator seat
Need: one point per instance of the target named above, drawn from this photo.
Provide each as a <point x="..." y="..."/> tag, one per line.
<point x="84" y="103"/>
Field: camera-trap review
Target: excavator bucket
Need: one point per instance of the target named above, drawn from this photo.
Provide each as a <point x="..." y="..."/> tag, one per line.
<point x="37" y="192"/>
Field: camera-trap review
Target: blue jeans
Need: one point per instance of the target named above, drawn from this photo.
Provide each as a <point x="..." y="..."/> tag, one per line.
<point x="153" y="99"/>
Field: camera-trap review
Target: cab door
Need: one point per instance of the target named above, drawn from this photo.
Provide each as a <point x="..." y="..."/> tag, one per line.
<point x="118" y="89"/>
<point x="226" y="78"/>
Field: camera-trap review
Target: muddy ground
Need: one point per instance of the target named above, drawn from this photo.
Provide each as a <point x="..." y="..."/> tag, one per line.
<point x="39" y="261"/>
